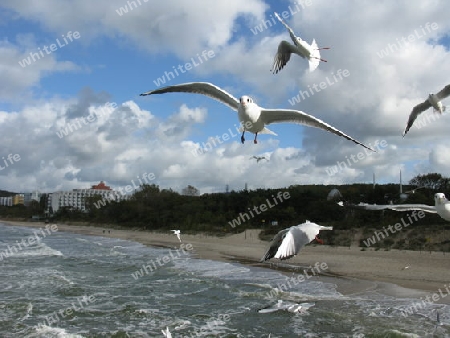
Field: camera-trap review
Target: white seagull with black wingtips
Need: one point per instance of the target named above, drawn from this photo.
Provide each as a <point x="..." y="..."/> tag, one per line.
<point x="300" y="47"/>
<point x="433" y="100"/>
<point x="252" y="117"/>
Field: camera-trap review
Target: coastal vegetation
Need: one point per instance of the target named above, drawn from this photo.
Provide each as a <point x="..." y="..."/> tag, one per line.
<point x="156" y="209"/>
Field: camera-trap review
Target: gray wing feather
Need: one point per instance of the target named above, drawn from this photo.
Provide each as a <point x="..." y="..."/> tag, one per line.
<point x="415" y="112"/>
<point x="283" y="55"/>
<point x="444" y="93"/>
<point x="274" y="245"/>
<point x="204" y="88"/>
<point x="296" y="116"/>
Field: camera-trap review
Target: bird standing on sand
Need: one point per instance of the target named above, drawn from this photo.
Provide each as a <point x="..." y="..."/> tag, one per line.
<point x="288" y="242"/>
<point x="178" y="233"/>
<point x="252" y="117"/>
<point x="433" y="100"/>
<point x="441" y="207"/>
<point x="300" y="47"/>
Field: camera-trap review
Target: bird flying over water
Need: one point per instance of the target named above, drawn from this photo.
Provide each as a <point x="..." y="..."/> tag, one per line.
<point x="433" y="100"/>
<point x="287" y="306"/>
<point x="300" y="47"/>
<point x="288" y="242"/>
<point x="252" y="117"/>
<point x="166" y="333"/>
<point x="441" y="206"/>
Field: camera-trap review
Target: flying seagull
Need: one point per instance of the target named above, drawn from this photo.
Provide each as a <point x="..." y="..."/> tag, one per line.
<point x="259" y="158"/>
<point x="441" y="206"/>
<point x="433" y="100"/>
<point x="287" y="306"/>
<point x="300" y="47"/>
<point x="166" y="333"/>
<point x="252" y="117"/>
<point x="288" y="242"/>
<point x="178" y="233"/>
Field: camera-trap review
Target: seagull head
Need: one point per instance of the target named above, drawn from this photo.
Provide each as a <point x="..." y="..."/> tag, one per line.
<point x="439" y="198"/>
<point x="245" y="100"/>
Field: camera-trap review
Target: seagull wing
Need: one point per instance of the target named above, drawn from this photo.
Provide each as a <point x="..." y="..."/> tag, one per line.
<point x="291" y="32"/>
<point x="285" y="49"/>
<point x="269" y="116"/>
<point x="415" y="112"/>
<point x="204" y="88"/>
<point x="274" y="245"/>
<point x="395" y="207"/>
<point x="444" y="93"/>
<point x="294" y="240"/>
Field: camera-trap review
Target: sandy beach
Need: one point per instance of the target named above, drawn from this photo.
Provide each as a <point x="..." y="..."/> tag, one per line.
<point x="352" y="269"/>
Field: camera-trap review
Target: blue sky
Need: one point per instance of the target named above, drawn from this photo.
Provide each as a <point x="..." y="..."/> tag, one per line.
<point x="117" y="57"/>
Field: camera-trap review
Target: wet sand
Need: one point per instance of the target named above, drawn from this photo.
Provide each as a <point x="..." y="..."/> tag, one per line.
<point x="394" y="272"/>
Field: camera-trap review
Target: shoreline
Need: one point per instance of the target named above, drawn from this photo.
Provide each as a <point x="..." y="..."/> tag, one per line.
<point x="350" y="268"/>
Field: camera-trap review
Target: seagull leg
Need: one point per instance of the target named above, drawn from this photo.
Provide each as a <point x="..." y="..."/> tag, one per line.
<point x="318" y="240"/>
<point x="242" y="137"/>
<point x="254" y="141"/>
<point x="322" y="48"/>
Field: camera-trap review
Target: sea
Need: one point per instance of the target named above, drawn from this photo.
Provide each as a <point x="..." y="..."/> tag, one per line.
<point x="71" y="285"/>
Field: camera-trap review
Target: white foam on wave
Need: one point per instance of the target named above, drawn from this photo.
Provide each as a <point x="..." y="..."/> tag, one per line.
<point x="41" y="249"/>
<point x="54" y="332"/>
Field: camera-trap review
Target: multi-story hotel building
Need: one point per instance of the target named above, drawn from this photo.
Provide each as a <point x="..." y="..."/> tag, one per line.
<point x="77" y="197"/>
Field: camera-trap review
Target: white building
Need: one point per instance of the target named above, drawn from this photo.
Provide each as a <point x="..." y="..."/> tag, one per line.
<point x="77" y="197"/>
<point x="6" y="201"/>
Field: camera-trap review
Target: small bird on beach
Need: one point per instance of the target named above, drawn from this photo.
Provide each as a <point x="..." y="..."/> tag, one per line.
<point x="259" y="158"/>
<point x="433" y="100"/>
<point x="178" y="233"/>
<point x="288" y="242"/>
<point x="441" y="206"/>
<point x="311" y="52"/>
<point x="252" y="117"/>
<point x="166" y="333"/>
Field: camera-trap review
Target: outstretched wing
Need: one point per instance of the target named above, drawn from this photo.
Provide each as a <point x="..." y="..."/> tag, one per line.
<point x="415" y="112"/>
<point x="269" y="116"/>
<point x="443" y="93"/>
<point x="395" y="207"/>
<point x="291" y="32"/>
<point x="274" y="245"/>
<point x="294" y="240"/>
<point x="282" y="56"/>
<point x="204" y="88"/>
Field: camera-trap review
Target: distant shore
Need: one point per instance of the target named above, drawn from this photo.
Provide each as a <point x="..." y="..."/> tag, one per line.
<point x="351" y="269"/>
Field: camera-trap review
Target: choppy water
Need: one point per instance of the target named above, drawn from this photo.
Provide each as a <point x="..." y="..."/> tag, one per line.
<point x="70" y="285"/>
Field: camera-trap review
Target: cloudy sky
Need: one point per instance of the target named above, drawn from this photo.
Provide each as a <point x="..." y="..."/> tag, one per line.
<point x="79" y="66"/>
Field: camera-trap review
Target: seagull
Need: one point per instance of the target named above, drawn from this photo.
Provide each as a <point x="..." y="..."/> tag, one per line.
<point x="252" y="117"/>
<point x="290" y="307"/>
<point x="413" y="191"/>
<point x="300" y="47"/>
<point x="259" y="158"/>
<point x="178" y="233"/>
<point x="166" y="333"/>
<point x="441" y="206"/>
<point x="288" y="242"/>
<point x="433" y="100"/>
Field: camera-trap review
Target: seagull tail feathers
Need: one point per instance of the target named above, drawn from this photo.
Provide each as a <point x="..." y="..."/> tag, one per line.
<point x="314" y="58"/>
